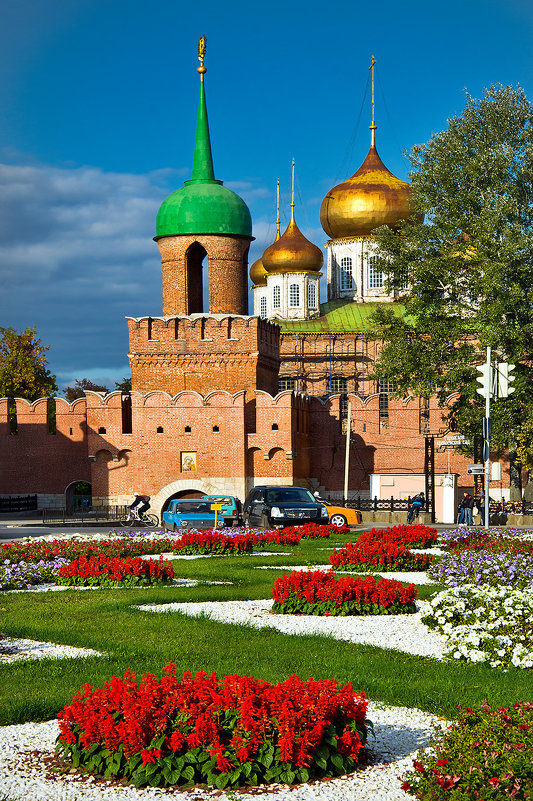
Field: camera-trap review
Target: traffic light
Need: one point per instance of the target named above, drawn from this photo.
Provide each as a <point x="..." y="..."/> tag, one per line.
<point x="505" y="379"/>
<point x="485" y="379"/>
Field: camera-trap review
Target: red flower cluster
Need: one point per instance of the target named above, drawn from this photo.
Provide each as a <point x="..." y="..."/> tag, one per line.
<point x="323" y="593"/>
<point x="212" y="541"/>
<point x="114" y="569"/>
<point x="418" y="534"/>
<point x="73" y="548"/>
<point x="314" y="530"/>
<point x="384" y="549"/>
<point x="232" y="720"/>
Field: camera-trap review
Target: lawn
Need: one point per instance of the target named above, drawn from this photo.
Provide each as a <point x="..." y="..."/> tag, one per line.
<point x="107" y="621"/>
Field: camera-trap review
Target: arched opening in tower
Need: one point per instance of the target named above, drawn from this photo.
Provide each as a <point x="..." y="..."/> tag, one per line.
<point x="196" y="271"/>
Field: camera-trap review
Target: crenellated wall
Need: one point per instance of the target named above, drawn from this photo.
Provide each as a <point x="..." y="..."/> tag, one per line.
<point x="203" y="353"/>
<point x="36" y="461"/>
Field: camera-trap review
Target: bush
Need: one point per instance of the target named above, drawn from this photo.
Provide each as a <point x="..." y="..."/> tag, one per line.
<point x="226" y="732"/>
<point x="319" y="593"/>
<point x="485" y="755"/>
<point x="47" y="551"/>
<point x="107" y="572"/>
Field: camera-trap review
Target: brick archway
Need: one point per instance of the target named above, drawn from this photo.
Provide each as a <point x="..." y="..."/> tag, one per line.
<point x="200" y="485"/>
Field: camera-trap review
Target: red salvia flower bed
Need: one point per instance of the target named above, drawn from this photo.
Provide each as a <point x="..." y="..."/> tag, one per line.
<point x="107" y="571"/>
<point x="319" y="593"/>
<point x="231" y="731"/>
<point x="384" y="549"/>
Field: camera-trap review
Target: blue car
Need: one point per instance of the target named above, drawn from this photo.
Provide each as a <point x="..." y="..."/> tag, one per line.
<point x="197" y="512"/>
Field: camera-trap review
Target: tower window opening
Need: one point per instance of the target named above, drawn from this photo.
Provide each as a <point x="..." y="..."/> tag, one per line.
<point x="127" y="421"/>
<point x="294" y="295"/>
<point x="187" y="429"/>
<point x="375" y="275"/>
<point x="311" y="295"/>
<point x="194" y="278"/>
<point x="263" y="307"/>
<point x="276" y="297"/>
<point x="275" y="427"/>
<point x="159" y="430"/>
<point x="346" y="276"/>
<point x="102" y="430"/>
<point x="216" y="429"/>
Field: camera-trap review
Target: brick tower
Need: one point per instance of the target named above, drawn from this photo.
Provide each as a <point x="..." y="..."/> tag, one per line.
<point x="191" y="347"/>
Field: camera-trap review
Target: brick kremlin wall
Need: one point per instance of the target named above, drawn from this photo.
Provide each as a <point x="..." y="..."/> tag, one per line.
<point x="238" y="440"/>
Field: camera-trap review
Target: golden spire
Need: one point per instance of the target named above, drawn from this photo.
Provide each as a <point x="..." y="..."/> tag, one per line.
<point x="292" y="193"/>
<point x="202" y="41"/>
<point x="278" y="234"/>
<point x="373" y="125"/>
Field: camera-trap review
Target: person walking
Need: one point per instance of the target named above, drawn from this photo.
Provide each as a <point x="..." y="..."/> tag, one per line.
<point x="468" y="506"/>
<point x="416" y="504"/>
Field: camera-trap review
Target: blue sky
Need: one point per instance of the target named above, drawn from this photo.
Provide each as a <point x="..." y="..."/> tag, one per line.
<point x="98" y="102"/>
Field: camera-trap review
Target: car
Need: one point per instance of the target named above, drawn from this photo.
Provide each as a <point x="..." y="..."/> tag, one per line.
<point x="278" y="506"/>
<point x="340" y="516"/>
<point x="198" y="512"/>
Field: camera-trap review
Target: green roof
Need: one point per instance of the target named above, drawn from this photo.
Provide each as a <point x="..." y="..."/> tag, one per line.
<point x="338" y="316"/>
<point x="203" y="205"/>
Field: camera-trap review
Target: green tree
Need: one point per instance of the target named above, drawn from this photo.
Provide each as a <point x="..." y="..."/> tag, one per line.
<point x="24" y="366"/>
<point x="124" y="386"/>
<point x="79" y="388"/>
<point x="468" y="265"/>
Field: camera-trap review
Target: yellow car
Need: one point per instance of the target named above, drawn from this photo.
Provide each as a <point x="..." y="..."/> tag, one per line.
<point x="342" y="516"/>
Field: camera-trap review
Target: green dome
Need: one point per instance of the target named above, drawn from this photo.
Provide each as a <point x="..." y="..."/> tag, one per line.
<point x="203" y="205"/>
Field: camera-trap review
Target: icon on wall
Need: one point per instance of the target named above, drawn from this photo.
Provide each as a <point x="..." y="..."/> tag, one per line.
<point x="188" y="461"/>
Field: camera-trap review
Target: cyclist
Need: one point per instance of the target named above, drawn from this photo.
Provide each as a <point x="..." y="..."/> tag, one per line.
<point x="143" y="502"/>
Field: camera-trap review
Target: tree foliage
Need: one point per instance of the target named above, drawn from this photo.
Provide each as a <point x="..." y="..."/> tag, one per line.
<point x="468" y="264"/>
<point x="81" y="385"/>
<point x="24" y="366"/>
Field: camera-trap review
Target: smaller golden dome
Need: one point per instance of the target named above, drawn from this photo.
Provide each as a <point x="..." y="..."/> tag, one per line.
<point x="292" y="253"/>
<point x="258" y="273"/>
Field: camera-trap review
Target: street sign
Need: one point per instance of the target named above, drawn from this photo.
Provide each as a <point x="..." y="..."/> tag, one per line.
<point x="475" y="469"/>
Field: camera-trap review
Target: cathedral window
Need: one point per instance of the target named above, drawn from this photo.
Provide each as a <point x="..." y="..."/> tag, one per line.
<point x="375" y="275"/>
<point x="338" y="384"/>
<point x="294" y="295"/>
<point x="346" y="276"/>
<point x="311" y="295"/>
<point x="288" y="382"/>
<point x="263" y="307"/>
<point x="385" y="388"/>
<point x="276" y="297"/>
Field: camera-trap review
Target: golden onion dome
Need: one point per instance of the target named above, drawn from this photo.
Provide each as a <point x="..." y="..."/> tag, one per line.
<point x="373" y="196"/>
<point x="258" y="273"/>
<point x="292" y="253"/>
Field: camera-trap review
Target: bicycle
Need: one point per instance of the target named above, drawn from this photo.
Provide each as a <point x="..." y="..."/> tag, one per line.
<point x="146" y="519"/>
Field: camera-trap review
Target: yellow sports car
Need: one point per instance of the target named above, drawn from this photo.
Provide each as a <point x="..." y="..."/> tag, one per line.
<point x="342" y="516"/>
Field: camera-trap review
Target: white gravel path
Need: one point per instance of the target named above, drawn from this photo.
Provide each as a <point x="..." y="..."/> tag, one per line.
<point x="15" y="650"/>
<point x="399" y="632"/>
<point x="26" y="770"/>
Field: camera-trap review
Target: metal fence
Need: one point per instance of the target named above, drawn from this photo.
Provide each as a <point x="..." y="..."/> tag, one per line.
<point x="376" y="504"/>
<point x="85" y="515"/>
<point x="18" y="503"/>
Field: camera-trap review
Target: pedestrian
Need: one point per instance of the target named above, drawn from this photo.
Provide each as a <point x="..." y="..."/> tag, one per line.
<point x="416" y="504"/>
<point x="468" y="505"/>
